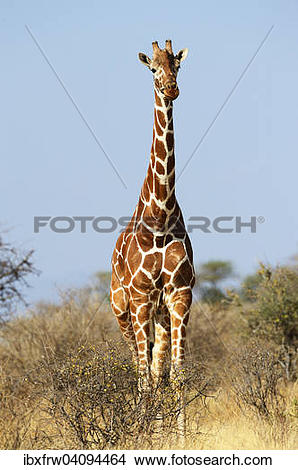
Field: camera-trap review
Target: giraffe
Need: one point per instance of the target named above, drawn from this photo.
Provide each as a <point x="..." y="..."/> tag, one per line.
<point x="152" y="263"/>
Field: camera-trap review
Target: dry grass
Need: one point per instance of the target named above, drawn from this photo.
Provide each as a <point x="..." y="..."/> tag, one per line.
<point x="66" y="381"/>
<point x="226" y="426"/>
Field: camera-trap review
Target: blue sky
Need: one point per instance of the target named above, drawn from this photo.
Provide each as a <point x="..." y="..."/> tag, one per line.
<point x="51" y="165"/>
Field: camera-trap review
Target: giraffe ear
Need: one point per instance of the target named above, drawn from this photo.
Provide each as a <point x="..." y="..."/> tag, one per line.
<point x="181" y="56"/>
<point x="144" y="59"/>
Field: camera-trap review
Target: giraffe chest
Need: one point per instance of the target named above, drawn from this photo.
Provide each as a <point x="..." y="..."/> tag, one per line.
<point x="163" y="261"/>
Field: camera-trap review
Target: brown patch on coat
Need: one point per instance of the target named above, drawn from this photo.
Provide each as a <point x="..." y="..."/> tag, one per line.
<point x="145" y="191"/>
<point x="171" y="181"/>
<point x="153" y="263"/>
<point x="176" y="322"/>
<point x="166" y="278"/>
<point x="170" y="140"/>
<point x="134" y="257"/>
<point x="152" y="160"/>
<point x="174" y="254"/>
<point x="161" y="118"/>
<point x="168" y="239"/>
<point x="120" y="300"/>
<point x="150" y="179"/>
<point x="160" y="150"/>
<point x="188" y="249"/>
<point x="175" y="334"/>
<point x="141" y="281"/>
<point x="156" y="125"/>
<point x="179" y="229"/>
<point x="171" y="201"/>
<point x="144" y="313"/>
<point x="184" y="275"/>
<point x="159" y="241"/>
<point x="139" y="209"/>
<point x="145" y="238"/>
<point x="170" y="164"/>
<point x="160" y="168"/>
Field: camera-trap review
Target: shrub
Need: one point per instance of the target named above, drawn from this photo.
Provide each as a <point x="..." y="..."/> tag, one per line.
<point x="255" y="377"/>
<point x="276" y="311"/>
<point x="249" y="287"/>
<point x="273" y="315"/>
<point x="94" y="394"/>
<point x="67" y="381"/>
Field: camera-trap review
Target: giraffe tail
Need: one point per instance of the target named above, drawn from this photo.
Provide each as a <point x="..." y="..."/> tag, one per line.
<point x="151" y="335"/>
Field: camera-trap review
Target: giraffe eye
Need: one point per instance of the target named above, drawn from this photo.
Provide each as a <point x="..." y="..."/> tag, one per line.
<point x="153" y="70"/>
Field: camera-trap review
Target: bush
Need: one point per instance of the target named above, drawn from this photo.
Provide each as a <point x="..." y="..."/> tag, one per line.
<point x="276" y="311"/>
<point x="67" y="381"/>
<point x="273" y="315"/>
<point x="249" y="287"/>
<point x="255" y="378"/>
<point x="94" y="395"/>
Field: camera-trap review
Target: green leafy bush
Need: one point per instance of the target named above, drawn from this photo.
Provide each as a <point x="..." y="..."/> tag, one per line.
<point x="273" y="315"/>
<point x="249" y="287"/>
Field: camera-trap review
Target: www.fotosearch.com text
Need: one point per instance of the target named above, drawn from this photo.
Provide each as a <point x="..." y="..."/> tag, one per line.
<point x="109" y="224"/>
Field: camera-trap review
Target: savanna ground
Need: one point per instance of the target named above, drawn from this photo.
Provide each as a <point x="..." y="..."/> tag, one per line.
<point x="67" y="381"/>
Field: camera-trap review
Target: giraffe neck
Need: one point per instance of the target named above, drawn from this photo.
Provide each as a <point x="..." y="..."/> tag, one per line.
<point x="162" y="161"/>
<point x="158" y="192"/>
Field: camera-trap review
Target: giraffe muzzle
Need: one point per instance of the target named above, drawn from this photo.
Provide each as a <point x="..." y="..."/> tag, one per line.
<point x="171" y="90"/>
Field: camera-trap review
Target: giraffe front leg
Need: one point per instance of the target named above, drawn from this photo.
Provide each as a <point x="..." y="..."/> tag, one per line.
<point x="120" y="307"/>
<point x="141" y="311"/>
<point x="179" y="307"/>
<point x="161" y="343"/>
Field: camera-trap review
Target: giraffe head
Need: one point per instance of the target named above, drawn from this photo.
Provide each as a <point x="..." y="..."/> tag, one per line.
<point x="165" y="65"/>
